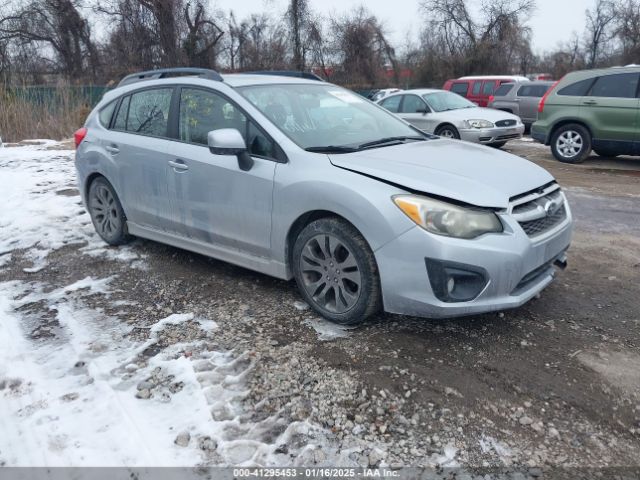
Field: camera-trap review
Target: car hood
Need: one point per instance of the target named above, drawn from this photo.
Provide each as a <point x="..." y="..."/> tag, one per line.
<point x="454" y="169"/>
<point x="476" y="113"/>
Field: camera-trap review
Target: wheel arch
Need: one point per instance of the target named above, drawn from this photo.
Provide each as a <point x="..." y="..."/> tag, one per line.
<point x="446" y="124"/>
<point x="567" y="121"/>
<point x="92" y="177"/>
<point x="302" y="221"/>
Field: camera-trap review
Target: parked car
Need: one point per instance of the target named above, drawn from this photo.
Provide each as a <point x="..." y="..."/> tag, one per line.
<point x="298" y="178"/>
<point x="520" y="98"/>
<point x="479" y="89"/>
<point x="449" y="115"/>
<point x="591" y="109"/>
<point x="383" y="93"/>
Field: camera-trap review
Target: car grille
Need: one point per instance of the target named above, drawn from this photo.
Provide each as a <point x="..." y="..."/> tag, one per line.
<point x="506" y="123"/>
<point x="540" y="212"/>
<point x="536" y="227"/>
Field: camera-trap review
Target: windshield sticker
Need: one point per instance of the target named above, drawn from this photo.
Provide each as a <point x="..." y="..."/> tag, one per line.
<point x="345" y="96"/>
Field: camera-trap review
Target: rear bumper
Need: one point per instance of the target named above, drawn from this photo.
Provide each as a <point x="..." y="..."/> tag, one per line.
<point x="539" y="134"/>
<point x="491" y="135"/>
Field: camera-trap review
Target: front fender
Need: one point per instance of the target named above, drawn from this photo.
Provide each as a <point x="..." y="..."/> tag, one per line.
<point x="364" y="202"/>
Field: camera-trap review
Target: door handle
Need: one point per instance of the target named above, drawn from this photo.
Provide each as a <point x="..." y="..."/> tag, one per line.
<point x="112" y="149"/>
<point x="590" y="102"/>
<point x="179" y="165"/>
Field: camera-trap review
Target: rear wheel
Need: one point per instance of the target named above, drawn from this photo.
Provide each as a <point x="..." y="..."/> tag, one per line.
<point x="571" y="143"/>
<point x="606" y="153"/>
<point x="106" y="212"/>
<point x="336" y="271"/>
<point x="448" y="131"/>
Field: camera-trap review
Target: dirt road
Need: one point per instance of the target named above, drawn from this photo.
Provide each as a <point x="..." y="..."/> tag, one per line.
<point x="554" y="383"/>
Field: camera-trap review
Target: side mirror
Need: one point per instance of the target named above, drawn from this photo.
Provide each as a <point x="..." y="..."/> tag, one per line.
<point x="229" y="141"/>
<point x="423" y="111"/>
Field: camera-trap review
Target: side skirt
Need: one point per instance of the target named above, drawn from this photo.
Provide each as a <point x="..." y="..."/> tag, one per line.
<point x="236" y="257"/>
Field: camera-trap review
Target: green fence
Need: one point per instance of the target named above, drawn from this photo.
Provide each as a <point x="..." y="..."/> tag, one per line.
<point x="53" y="96"/>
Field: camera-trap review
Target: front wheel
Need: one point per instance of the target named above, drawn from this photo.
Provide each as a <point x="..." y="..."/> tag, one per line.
<point x="106" y="212"/>
<point x="448" y="131"/>
<point x="571" y="143"/>
<point x="336" y="271"/>
<point x="497" y="144"/>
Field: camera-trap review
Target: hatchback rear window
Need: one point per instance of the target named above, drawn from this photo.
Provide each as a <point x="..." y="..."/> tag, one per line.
<point x="578" y="89"/>
<point x="504" y="89"/>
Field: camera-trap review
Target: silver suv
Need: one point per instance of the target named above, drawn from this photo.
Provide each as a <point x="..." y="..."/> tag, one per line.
<point x="520" y="98"/>
<point x="298" y="178"/>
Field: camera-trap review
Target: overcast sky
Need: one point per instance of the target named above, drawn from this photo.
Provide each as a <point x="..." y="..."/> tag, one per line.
<point x="554" y="21"/>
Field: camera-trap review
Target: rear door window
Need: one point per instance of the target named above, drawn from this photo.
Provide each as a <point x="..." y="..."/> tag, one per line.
<point x="392" y="103"/>
<point x="622" y="85"/>
<point x="504" y="89"/>
<point x="460" y="88"/>
<point x="477" y="86"/>
<point x="120" y="122"/>
<point x="149" y="112"/>
<point x="413" y="104"/>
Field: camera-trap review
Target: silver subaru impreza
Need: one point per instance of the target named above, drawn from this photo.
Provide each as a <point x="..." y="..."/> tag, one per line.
<point x="297" y="178"/>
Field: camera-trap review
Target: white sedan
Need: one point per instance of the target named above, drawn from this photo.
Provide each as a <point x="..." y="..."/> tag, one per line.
<point x="449" y="115"/>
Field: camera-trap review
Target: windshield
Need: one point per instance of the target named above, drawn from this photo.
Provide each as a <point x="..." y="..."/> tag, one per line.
<point x="445" y="101"/>
<point x="316" y="116"/>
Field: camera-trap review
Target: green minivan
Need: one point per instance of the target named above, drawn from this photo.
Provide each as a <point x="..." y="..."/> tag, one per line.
<point x="591" y="110"/>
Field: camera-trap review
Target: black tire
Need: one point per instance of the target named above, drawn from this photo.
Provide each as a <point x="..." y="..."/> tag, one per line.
<point x="328" y="287"/>
<point x="106" y="212"/>
<point x="448" y="131"/>
<point x="577" y="141"/>
<point x="606" y="153"/>
<point x="497" y="144"/>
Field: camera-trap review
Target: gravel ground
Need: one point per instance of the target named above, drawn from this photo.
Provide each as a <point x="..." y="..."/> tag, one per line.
<point x="553" y="383"/>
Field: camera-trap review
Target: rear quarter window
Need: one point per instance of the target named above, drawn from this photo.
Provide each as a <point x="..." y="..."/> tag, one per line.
<point x="577" y="89"/>
<point x="106" y="114"/>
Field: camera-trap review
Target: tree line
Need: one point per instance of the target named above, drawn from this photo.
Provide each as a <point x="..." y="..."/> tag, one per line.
<point x="100" y="41"/>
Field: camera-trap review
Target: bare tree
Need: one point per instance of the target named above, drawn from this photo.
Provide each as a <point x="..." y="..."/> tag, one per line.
<point x="493" y="40"/>
<point x="599" y="30"/>
<point x="361" y="49"/>
<point x="202" y="35"/>
<point x="57" y="24"/>
<point x="627" y="30"/>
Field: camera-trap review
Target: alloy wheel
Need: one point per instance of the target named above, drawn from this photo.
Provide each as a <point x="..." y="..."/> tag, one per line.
<point x="330" y="273"/>
<point x="104" y="211"/>
<point x="569" y="144"/>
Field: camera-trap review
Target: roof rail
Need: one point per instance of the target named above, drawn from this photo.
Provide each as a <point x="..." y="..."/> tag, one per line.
<point x="287" y="73"/>
<point x="170" y="72"/>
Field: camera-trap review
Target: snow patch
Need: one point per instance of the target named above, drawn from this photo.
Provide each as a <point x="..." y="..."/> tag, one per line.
<point x="326" y="330"/>
<point x="35" y="217"/>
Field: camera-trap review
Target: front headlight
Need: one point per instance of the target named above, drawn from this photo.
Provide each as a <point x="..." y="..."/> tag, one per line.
<point x="478" y="124"/>
<point x="447" y="219"/>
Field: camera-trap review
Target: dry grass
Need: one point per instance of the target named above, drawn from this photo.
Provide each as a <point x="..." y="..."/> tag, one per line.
<point x="57" y="118"/>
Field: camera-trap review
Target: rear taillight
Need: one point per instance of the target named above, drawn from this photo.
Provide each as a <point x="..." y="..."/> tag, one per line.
<point x="546" y="95"/>
<point x="79" y="136"/>
<point x="491" y="98"/>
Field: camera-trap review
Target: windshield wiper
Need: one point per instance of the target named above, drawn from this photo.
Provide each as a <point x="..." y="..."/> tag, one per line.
<point x="382" y="141"/>
<point x="331" y="149"/>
